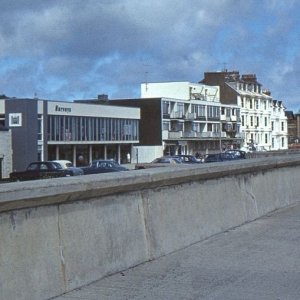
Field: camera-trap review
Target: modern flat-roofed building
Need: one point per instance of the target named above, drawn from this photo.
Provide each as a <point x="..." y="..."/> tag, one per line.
<point x="185" y="118"/>
<point x="79" y="132"/>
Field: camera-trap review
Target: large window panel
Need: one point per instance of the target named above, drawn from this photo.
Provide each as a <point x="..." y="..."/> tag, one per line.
<point x="77" y="128"/>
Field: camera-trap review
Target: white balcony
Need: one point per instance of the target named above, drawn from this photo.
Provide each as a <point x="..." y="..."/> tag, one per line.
<point x="240" y="135"/>
<point x="177" y="115"/>
<point x="165" y="134"/>
<point x="175" y="135"/>
<point x="191" y="116"/>
<point x="190" y="134"/>
<point x="207" y="134"/>
<point x="210" y="134"/>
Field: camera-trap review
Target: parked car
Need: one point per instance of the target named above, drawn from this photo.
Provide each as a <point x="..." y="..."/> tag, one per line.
<point x="248" y="148"/>
<point x="160" y="161"/>
<point x="167" y="160"/>
<point x="103" y="166"/>
<point x="40" y="170"/>
<point x="238" y="154"/>
<point x="188" y="159"/>
<point x="219" y="157"/>
<point x="66" y="164"/>
<point x="261" y="148"/>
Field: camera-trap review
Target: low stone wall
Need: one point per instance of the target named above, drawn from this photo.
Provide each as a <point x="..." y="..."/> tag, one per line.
<point x="57" y="235"/>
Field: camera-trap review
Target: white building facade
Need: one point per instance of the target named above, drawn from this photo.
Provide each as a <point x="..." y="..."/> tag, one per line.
<point x="263" y="120"/>
<point x="193" y="119"/>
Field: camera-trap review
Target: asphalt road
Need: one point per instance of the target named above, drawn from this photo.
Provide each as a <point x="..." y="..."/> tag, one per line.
<point x="258" y="260"/>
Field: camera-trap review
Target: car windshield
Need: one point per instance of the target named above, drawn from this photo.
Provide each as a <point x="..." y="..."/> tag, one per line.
<point x="57" y="165"/>
<point x="167" y="160"/>
<point x="104" y="164"/>
<point x="33" y="167"/>
<point x="186" y="158"/>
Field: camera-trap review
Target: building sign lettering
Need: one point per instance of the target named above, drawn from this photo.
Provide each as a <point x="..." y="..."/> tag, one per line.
<point x="63" y="109"/>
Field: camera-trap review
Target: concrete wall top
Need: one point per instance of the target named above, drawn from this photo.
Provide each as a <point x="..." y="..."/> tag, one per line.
<point x="19" y="195"/>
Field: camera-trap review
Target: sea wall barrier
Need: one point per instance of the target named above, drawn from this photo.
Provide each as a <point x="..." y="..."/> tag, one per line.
<point x="59" y="234"/>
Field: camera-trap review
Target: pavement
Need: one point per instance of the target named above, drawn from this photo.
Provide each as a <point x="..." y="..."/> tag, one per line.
<point x="258" y="260"/>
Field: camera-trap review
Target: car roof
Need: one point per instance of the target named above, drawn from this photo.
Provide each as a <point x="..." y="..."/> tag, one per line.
<point x="41" y="162"/>
<point x="104" y="160"/>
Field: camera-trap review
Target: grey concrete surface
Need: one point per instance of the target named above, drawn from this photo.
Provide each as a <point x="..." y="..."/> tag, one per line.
<point x="68" y="232"/>
<point x="258" y="260"/>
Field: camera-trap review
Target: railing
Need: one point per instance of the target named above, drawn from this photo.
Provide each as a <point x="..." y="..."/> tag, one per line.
<point x="165" y="134"/>
<point x="177" y="115"/>
<point x="191" y="116"/>
<point x="240" y="135"/>
<point x="195" y="134"/>
<point x="201" y="118"/>
<point x="175" y="134"/>
<point x="190" y="134"/>
<point x="213" y="118"/>
<point x="209" y="134"/>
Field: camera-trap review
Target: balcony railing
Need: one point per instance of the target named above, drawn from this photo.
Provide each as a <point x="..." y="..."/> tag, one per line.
<point x="213" y="118"/>
<point x="210" y="134"/>
<point x="191" y="116"/>
<point x="175" y="134"/>
<point x="190" y="134"/>
<point x="240" y="135"/>
<point x="193" y="134"/>
<point x="200" y="118"/>
<point x="177" y="115"/>
<point x="165" y="134"/>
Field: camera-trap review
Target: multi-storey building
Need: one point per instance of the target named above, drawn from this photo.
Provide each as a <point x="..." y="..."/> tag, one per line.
<point x="264" y="123"/>
<point x="49" y="130"/>
<point x="293" y="127"/>
<point x="186" y="118"/>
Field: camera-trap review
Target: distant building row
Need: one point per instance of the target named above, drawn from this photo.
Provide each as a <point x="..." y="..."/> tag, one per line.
<point x="49" y="130"/>
<point x="223" y="110"/>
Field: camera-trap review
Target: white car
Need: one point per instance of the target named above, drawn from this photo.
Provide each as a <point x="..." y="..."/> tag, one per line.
<point x="246" y="149"/>
<point x="261" y="148"/>
<point x="66" y="164"/>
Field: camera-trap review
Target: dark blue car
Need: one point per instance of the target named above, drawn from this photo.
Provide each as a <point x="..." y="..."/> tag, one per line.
<point x="218" y="157"/>
<point x="103" y="166"/>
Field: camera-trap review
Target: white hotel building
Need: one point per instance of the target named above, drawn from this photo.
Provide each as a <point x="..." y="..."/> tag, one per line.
<point x="263" y="120"/>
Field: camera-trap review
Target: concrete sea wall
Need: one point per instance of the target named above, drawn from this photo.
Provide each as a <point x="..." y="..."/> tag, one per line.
<point x="57" y="235"/>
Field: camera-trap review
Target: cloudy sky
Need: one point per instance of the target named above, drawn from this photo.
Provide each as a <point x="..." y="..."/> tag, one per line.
<point x="71" y="49"/>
